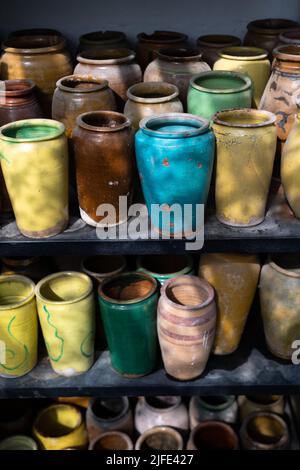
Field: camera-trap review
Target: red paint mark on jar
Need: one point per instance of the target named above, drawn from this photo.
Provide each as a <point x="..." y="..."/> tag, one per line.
<point x="166" y="162"/>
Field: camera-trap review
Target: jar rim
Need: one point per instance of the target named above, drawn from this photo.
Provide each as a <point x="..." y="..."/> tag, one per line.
<point x="201" y="125"/>
<point x="107" y="36"/>
<point x="171" y="92"/>
<point x="121" y="276"/>
<point x="217" y="40"/>
<point x="17" y="87"/>
<point x="111" y="56"/>
<point x="34" y="44"/>
<point x="245" y="53"/>
<point x="27" y="281"/>
<point x="181" y="279"/>
<point x="99" y="83"/>
<point x="167" y="37"/>
<point x="104" y="117"/>
<point x="51" y="123"/>
<point x="178" y="55"/>
<point x="271" y="416"/>
<point x="123" y="412"/>
<point x="287" y="52"/>
<point x="247" y="84"/>
<point x="230" y="399"/>
<point x="63" y="274"/>
<point x="220" y="117"/>
<point x="271" y="25"/>
<point x="276" y="266"/>
<point x="65" y="406"/>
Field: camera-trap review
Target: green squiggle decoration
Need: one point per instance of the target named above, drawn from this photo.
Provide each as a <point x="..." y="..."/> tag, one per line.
<point x="84" y="353"/>
<point x="13" y="353"/>
<point x="60" y="355"/>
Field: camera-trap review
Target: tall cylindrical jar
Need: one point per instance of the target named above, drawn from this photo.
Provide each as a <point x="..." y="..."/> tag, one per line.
<point x="213" y="435"/>
<point x="164" y="267"/>
<point x="148" y="44"/>
<point x="102" y="40"/>
<point x="186" y="325"/>
<point x="246" y="144"/>
<point x="162" y="144"/>
<point x="220" y="408"/>
<point x="66" y="310"/>
<point x="128" y="304"/>
<point x="234" y="277"/>
<point x="264" y="431"/>
<point x="103" y="145"/>
<point x="18" y="326"/>
<point x="35" y="168"/>
<point x="211" y="45"/>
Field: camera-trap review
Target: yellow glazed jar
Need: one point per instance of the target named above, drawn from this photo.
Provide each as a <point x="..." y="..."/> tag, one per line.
<point x="34" y="161"/>
<point x="66" y="310"/>
<point x="59" y="427"/>
<point x="18" y="326"/>
<point x="252" y="61"/>
<point x="246" y="144"/>
<point x="234" y="278"/>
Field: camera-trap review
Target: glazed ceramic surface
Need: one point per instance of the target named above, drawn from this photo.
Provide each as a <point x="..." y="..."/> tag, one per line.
<point x="289" y="37"/>
<point x="160" y="438"/>
<point x="148" y="44"/>
<point x="164" y="267"/>
<point x="220" y="408"/>
<point x="213" y="435"/>
<point x="111" y="440"/>
<point x="264" y="431"/>
<point x="268" y="403"/>
<point x="211" y="45"/>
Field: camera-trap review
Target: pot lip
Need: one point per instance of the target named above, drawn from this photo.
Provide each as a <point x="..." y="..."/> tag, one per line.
<point x="286" y="272"/>
<point x="267" y="414"/>
<point x="217" y="117"/>
<point x="11" y="439"/>
<point x="34" y="32"/>
<point x="20" y="278"/>
<point x="251" y="53"/>
<point x="186" y="268"/>
<point x="288" y="52"/>
<point x="137" y="274"/>
<point x="20" y="262"/>
<point x="125" y="410"/>
<point x="126" y="55"/>
<point x="215" y="422"/>
<point x="80" y="121"/>
<point x="279" y="399"/>
<point x="247" y="84"/>
<point x="283" y="37"/>
<point x="182" y="117"/>
<point x="60" y="129"/>
<point x="162" y="410"/>
<point x="38" y="432"/>
<point x="105" y="36"/>
<point x="63" y="274"/>
<point x="28" y="87"/>
<point x="11" y="45"/>
<point x="207" y="39"/>
<point x="162" y="429"/>
<point x="230" y="400"/>
<point x="174" y="55"/>
<point x="110" y="273"/>
<point x="174" y="92"/>
<point x="201" y="282"/>
<point x="171" y="37"/>
<point x="112" y="433"/>
<point x="99" y="83"/>
<point x="261" y="25"/>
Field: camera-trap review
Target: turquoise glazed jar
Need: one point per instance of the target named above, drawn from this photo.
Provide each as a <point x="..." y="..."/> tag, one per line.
<point x="175" y="154"/>
<point x="128" y="304"/>
<point x="214" y="91"/>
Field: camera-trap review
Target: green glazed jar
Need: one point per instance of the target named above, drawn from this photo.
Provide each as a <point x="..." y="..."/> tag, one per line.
<point x="164" y="267"/>
<point x="217" y="90"/>
<point x="128" y="304"/>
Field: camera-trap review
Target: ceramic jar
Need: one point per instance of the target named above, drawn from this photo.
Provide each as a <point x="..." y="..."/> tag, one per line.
<point x="42" y="59"/>
<point x="18" y="443"/>
<point x="31" y="182"/>
<point x="59" y="427"/>
<point x="211" y="44"/>
<point x="280" y="303"/>
<point x="146" y="99"/>
<point x="176" y="66"/>
<point x="108" y="414"/>
<point x="186" y="325"/>
<point x="164" y="267"/>
<point x="82" y="402"/>
<point x="161" y="411"/>
<point x="214" y="91"/>
<point x="149" y="43"/>
<point x="283" y="88"/>
<point x="112" y="440"/>
<point x="159" y="438"/>
<point x="34" y="32"/>
<point x="128" y="304"/>
<point x="102" y="267"/>
<point x="103" y="146"/>
<point x="66" y="312"/>
<point x="265" y="33"/>
<point x="264" y="431"/>
<point x="251" y="61"/>
<point x="102" y="40"/>
<point x="35" y="268"/>
<point x="246" y="145"/>
<point x="18" y="326"/>
<point x="220" y="408"/>
<point x="213" y="435"/>
<point x="15" y="417"/>
<point x="162" y="144"/>
<point x="253" y="403"/>
<point x="75" y="95"/>
<point x="234" y="277"/>
<point x="289" y="37"/>
<point x="117" y="66"/>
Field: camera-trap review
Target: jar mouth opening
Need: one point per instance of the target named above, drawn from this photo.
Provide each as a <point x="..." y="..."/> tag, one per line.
<point x="34" y="44"/>
<point x="265" y="429"/>
<point x="31" y="130"/>
<point x="218" y="39"/>
<point x="128" y="288"/>
<point x="288" y="52"/>
<point x="293" y="34"/>
<point x="205" y="436"/>
<point x="152" y="92"/>
<point x="160" y="437"/>
<point x="18" y="87"/>
<point x="271" y="25"/>
<point x="164" y="264"/>
<point x="287" y="264"/>
<point x="163" y="36"/>
<point x="103" y="121"/>
<point x="221" y="82"/>
<point x="162" y="403"/>
<point x="102" y="264"/>
<point x="188" y="292"/>
<point x="263" y="399"/>
<point x="109" y="409"/>
<point x="8" y="296"/>
<point x="244" y="53"/>
<point x="174" y="125"/>
<point x="245" y="118"/>
<point x="179" y="55"/>
<point x="63" y="288"/>
<point x="34" y="32"/>
<point x="111" y="440"/>
<point x="58" y="421"/>
<point x="81" y="84"/>
<point x="99" y="36"/>
<point x="106" y="56"/>
<point x="218" y="402"/>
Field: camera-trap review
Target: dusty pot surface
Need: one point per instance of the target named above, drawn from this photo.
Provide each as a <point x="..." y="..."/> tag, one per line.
<point x="149" y="43"/>
<point x="164" y="267"/>
<point x="253" y="403"/>
<point x="146" y="99"/>
<point x="159" y="438"/>
<point x="18" y="443"/>
<point x="211" y="44"/>
<point x="264" y="431"/>
<point x="103" y="267"/>
<point x="112" y="440"/>
<point x="186" y="325"/>
<point x="102" y="40"/>
<point x="35" y="267"/>
<point x="161" y="411"/>
<point x="15" y="417"/>
<point x="246" y="144"/>
<point x="103" y="145"/>
<point x="213" y="435"/>
<point x="220" y="408"/>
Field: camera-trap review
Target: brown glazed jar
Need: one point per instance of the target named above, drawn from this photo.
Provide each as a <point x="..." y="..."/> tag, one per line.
<point x="102" y="40"/>
<point x="111" y="440"/>
<point x="264" y="431"/>
<point x="43" y="59"/>
<point x="186" y="325"/>
<point x="265" y="33"/>
<point x="148" y="43"/>
<point x="35" y="267"/>
<point x="104" y="156"/>
<point x="159" y="438"/>
<point x="211" y="44"/>
<point x="213" y="435"/>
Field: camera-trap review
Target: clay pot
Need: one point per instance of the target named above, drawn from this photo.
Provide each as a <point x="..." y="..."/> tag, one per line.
<point x="253" y="403"/>
<point x="234" y="277"/>
<point x="108" y="414"/>
<point x="213" y="435"/>
<point x="265" y="33"/>
<point x="289" y="37"/>
<point x="112" y="440"/>
<point x="211" y="44"/>
<point x="164" y="267"/>
<point x="15" y="417"/>
<point x="100" y="268"/>
<point x="176" y="66"/>
<point x="159" y="438"/>
<point x="42" y="59"/>
<point x="102" y="40"/>
<point x="246" y="145"/>
<point x="283" y="88"/>
<point x="82" y="402"/>
<point x="59" y="427"/>
<point x="35" y="268"/>
<point x="149" y="43"/>
<point x="186" y="325"/>
<point x="18" y="443"/>
<point x="128" y="304"/>
<point x="280" y="303"/>
<point x="117" y="66"/>
<point x="161" y="411"/>
<point x="34" y="32"/>
<point x="103" y="146"/>
<point x="220" y="408"/>
<point x="264" y="431"/>
<point x="66" y="310"/>
<point x="251" y="61"/>
<point x="146" y="99"/>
